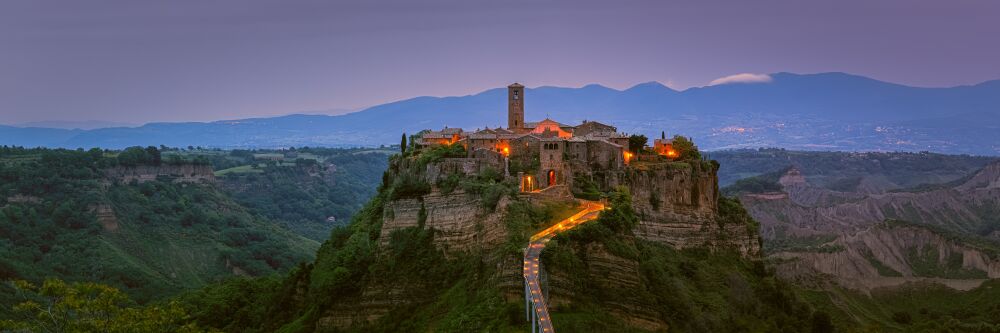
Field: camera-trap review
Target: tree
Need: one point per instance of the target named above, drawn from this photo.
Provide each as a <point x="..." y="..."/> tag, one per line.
<point x="685" y="148"/>
<point x="58" y="306"/>
<point x="663" y="135"/>
<point x="133" y="156"/>
<point x="153" y="155"/>
<point x="620" y="217"/>
<point x="637" y="142"/>
<point x="402" y="144"/>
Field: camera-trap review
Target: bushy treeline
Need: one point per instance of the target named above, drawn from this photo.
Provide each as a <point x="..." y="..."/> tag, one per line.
<point x="57" y="306"/>
<point x="764" y="183"/>
<point x="98" y="158"/>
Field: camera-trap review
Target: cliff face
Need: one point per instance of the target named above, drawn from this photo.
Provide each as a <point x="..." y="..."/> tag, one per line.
<point x="460" y="222"/>
<point x="885" y="256"/>
<point x="191" y="173"/>
<point x="607" y="271"/>
<point x="678" y="207"/>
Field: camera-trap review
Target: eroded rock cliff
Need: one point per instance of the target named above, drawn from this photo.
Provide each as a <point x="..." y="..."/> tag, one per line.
<point x="174" y="172"/>
<point x="858" y="239"/>
<point x="678" y="206"/>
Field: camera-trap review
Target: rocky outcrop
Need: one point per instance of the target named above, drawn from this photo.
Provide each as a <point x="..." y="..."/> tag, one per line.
<point x="890" y="255"/>
<point x="806" y="210"/>
<point x="20" y="198"/>
<point x="863" y="250"/>
<point x="678" y="206"/>
<point x="190" y="173"/>
<point x="106" y="217"/>
<point x="460" y="222"/>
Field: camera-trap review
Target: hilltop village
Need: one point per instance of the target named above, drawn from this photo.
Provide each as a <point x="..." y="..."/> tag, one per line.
<point x="548" y="153"/>
<point x="491" y="192"/>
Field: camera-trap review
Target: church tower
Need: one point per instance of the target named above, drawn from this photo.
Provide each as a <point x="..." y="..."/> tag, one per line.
<point x="515" y="108"/>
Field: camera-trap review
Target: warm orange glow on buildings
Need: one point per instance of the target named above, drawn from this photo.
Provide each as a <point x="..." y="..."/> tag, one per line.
<point x="550" y="127"/>
<point x="665" y="147"/>
<point x="527" y="184"/>
<point x="628" y="156"/>
<point x="503" y="147"/>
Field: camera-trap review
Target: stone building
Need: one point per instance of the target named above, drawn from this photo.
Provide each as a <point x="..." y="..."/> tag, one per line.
<point x="445" y="136"/>
<point x="543" y="153"/>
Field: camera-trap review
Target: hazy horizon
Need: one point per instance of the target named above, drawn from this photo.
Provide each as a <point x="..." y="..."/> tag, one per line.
<point x="103" y="123"/>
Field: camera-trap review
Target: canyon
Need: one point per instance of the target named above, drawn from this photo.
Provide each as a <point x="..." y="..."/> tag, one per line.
<point x="871" y="237"/>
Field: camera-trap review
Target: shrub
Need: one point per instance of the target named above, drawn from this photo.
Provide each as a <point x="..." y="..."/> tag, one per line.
<point x="731" y="211"/>
<point x="449" y="183"/>
<point x="620" y="218"/>
<point x="585" y="188"/>
<point x="409" y="186"/>
<point x="687" y="149"/>
<point x="437" y="153"/>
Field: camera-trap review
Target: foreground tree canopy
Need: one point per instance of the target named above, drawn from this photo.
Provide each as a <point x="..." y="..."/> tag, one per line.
<point x="57" y="306"/>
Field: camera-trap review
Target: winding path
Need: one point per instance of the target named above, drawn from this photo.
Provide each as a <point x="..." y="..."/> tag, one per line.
<point x="536" y="306"/>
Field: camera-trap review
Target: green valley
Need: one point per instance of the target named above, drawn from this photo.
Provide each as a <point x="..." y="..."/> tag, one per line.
<point x="157" y="221"/>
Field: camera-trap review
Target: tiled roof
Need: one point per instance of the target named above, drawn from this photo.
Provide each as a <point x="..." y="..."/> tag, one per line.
<point x="594" y="123"/>
<point x="528" y="136"/>
<point x="482" y="136"/>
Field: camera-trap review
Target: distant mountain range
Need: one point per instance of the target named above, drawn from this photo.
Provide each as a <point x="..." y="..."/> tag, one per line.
<point x="828" y="111"/>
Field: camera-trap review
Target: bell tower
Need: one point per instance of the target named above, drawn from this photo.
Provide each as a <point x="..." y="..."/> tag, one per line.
<point x="515" y="108"/>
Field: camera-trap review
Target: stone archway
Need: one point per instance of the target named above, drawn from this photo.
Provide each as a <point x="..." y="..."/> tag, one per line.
<point x="551" y="176"/>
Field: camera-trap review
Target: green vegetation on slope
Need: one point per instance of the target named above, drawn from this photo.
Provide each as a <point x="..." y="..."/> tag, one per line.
<point x="56" y="306"/>
<point x="913" y="308"/>
<point x="763" y="183"/>
<point x="303" y="195"/>
<point x="690" y="290"/>
<point x="160" y="238"/>
<point x="445" y="294"/>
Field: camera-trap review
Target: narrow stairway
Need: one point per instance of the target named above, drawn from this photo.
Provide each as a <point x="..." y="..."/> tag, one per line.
<point x="538" y="310"/>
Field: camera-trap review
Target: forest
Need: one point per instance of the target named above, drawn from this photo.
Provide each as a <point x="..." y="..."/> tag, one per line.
<point x="63" y="216"/>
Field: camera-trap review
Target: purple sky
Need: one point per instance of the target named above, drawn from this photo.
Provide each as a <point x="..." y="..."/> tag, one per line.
<point x="130" y="61"/>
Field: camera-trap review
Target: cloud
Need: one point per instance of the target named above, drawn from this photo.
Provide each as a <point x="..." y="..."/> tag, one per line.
<point x="742" y="78"/>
